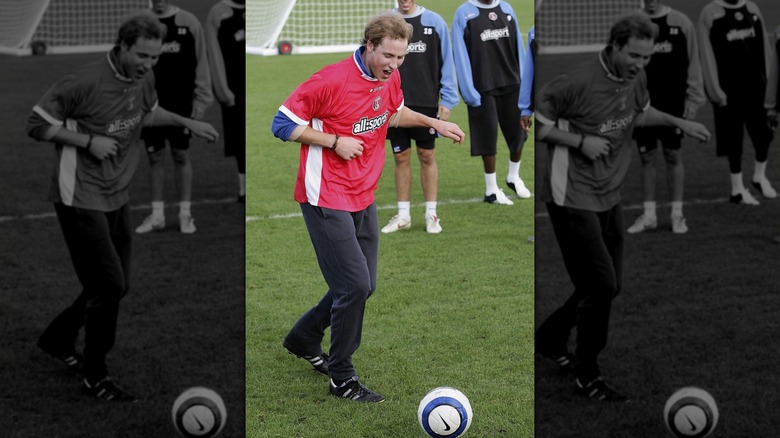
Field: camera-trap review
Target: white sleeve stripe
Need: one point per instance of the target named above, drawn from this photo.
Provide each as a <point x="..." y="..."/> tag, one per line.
<point x="292" y="116"/>
<point x="46" y="116"/>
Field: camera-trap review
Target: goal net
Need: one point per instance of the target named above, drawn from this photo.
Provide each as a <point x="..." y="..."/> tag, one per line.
<point x="62" y="26"/>
<point x="309" y="26"/>
<point x="576" y="26"/>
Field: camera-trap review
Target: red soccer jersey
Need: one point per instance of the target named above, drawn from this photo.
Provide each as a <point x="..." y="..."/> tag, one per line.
<point x="590" y="101"/>
<point x="98" y="100"/>
<point x="341" y="99"/>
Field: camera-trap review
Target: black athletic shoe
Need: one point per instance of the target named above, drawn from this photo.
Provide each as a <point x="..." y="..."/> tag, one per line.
<point x="73" y="360"/>
<point x="319" y="361"/>
<point x="597" y="389"/>
<point x="564" y="361"/>
<point x="354" y="390"/>
<point x="106" y="389"/>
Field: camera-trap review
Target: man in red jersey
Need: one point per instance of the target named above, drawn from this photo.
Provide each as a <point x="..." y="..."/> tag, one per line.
<point x="586" y="117"/>
<point x="340" y="116"/>
<point x="94" y="117"/>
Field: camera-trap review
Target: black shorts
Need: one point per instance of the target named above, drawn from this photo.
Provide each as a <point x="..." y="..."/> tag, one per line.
<point x="732" y="120"/>
<point x="155" y="138"/>
<point x="485" y="119"/>
<point x="425" y="138"/>
<point x="647" y="138"/>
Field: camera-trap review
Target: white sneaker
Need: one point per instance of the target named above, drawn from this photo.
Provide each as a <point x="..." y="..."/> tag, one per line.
<point x="678" y="224"/>
<point x="397" y="223"/>
<point x="498" y="198"/>
<point x="432" y="224"/>
<point x="186" y="224"/>
<point x="765" y="188"/>
<point x="151" y="223"/>
<point x="518" y="186"/>
<point x="643" y="223"/>
<point x="744" y="198"/>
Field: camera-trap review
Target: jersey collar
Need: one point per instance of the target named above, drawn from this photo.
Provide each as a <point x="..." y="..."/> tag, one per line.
<point x="358" y="58"/>
<point x="111" y="56"/>
<point x="605" y="64"/>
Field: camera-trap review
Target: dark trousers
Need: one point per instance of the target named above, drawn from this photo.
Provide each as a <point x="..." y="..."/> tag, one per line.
<point x="592" y="248"/>
<point x="347" y="247"/>
<point x="100" y="245"/>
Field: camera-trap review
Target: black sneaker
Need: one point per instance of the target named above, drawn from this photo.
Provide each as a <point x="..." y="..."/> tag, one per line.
<point x="318" y="361"/>
<point x="72" y="360"/>
<point x="597" y="389"/>
<point x="106" y="389"/>
<point x="354" y="390"/>
<point x="564" y="360"/>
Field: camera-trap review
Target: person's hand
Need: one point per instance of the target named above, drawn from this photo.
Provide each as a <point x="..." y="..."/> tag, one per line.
<point x="525" y="123"/>
<point x="444" y="113"/>
<point x="349" y="148"/>
<point x="203" y="130"/>
<point x="449" y="130"/>
<point x="595" y="147"/>
<point x="695" y="130"/>
<point x="771" y="118"/>
<point x="103" y="147"/>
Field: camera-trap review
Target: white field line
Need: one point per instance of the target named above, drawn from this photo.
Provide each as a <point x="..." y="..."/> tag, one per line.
<point x="171" y="205"/>
<point x="542" y="214"/>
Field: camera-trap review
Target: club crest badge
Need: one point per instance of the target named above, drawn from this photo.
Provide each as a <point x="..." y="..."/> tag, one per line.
<point x="377" y="103"/>
<point x="493" y="16"/>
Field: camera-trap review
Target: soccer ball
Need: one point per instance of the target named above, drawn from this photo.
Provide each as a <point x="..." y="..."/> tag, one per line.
<point x="445" y="412"/>
<point x="691" y="412"/>
<point x="199" y="412"/>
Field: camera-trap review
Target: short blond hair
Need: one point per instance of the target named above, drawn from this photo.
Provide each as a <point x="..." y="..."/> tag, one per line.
<point x="387" y="25"/>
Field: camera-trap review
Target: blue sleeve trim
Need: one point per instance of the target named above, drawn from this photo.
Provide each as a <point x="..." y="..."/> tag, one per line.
<point x="283" y="126"/>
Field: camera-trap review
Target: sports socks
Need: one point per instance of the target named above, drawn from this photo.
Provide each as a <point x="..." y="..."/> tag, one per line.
<point x="736" y="183"/>
<point x="677" y="208"/>
<point x="158" y="208"/>
<point x="184" y="208"/>
<point x="430" y="208"/>
<point x="649" y="207"/>
<point x="491" y="186"/>
<point x="514" y="171"/>
<point x="403" y="209"/>
<point x="759" y="172"/>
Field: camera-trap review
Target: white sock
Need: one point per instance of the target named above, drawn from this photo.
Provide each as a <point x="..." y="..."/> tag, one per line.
<point x="736" y="183"/>
<point x="649" y="209"/>
<point x="759" y="172"/>
<point x="677" y="208"/>
<point x="184" y="208"/>
<point x="403" y="209"/>
<point x="430" y="208"/>
<point x="514" y="171"/>
<point x="491" y="186"/>
<point x="242" y="184"/>
<point x="158" y="208"/>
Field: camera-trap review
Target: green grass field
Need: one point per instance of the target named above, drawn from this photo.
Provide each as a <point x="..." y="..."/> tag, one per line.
<point x="453" y="309"/>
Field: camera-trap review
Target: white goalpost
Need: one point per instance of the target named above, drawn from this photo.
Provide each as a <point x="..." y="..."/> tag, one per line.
<point x="576" y="26"/>
<point x="62" y="26"/>
<point x="308" y="26"/>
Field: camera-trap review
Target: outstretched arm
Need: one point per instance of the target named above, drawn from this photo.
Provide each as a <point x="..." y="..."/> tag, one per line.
<point x="163" y="117"/>
<point x="407" y="118"/>
<point x="654" y="117"/>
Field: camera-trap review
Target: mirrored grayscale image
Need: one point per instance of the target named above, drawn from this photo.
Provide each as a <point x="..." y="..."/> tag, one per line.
<point x="122" y="223"/>
<point x="657" y="218"/>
